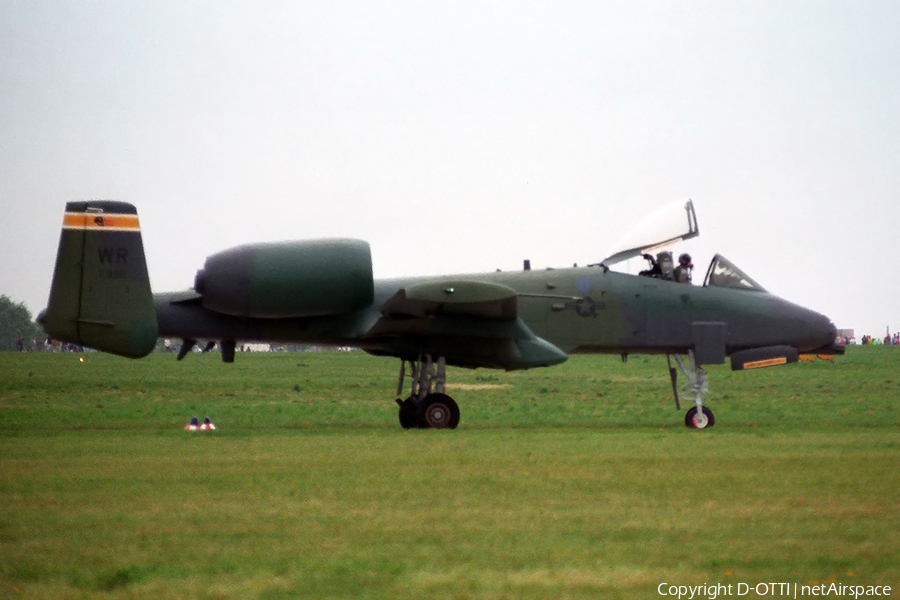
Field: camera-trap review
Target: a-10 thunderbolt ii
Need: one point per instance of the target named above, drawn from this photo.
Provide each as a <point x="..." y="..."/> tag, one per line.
<point x="323" y="292"/>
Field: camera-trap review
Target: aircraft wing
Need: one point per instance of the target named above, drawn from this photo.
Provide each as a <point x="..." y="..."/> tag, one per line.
<point x="480" y="299"/>
<point x="471" y="323"/>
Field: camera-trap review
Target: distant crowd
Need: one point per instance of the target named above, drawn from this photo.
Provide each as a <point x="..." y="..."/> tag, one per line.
<point x="888" y="340"/>
<point x="48" y="345"/>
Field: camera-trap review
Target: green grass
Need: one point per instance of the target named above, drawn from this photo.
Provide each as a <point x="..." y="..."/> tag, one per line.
<point x="579" y="481"/>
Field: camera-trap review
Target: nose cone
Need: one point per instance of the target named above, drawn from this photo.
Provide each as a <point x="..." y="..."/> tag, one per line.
<point x="804" y="329"/>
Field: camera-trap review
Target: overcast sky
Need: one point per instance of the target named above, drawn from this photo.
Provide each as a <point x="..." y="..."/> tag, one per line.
<point x="463" y="136"/>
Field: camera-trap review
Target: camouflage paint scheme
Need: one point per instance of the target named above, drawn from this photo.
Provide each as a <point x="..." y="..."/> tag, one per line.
<point x="616" y="314"/>
<point x="322" y="292"/>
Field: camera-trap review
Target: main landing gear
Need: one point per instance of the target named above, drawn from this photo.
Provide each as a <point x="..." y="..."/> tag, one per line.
<point x="698" y="417"/>
<point x="427" y="405"/>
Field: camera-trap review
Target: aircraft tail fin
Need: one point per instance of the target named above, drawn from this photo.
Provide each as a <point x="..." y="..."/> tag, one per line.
<point x="100" y="296"/>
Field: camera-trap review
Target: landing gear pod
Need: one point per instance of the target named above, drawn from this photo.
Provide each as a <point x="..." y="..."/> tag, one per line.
<point x="769" y="356"/>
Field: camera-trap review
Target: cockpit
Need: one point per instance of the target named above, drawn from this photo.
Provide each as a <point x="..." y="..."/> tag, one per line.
<point x="721" y="272"/>
<point x="671" y="225"/>
<point x="724" y="273"/>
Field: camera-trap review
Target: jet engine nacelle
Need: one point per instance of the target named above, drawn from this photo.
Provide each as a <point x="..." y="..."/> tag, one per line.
<point x="309" y="278"/>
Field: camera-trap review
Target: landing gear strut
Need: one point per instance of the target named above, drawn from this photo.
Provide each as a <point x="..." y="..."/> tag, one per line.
<point x="699" y="417"/>
<point x="427" y="405"/>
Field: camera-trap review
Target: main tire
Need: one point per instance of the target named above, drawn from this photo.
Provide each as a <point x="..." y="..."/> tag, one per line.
<point x="704" y="420"/>
<point x="407" y="413"/>
<point x="406" y="420"/>
<point x="439" y="411"/>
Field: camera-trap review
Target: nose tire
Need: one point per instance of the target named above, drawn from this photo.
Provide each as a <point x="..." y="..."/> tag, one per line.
<point x="699" y="419"/>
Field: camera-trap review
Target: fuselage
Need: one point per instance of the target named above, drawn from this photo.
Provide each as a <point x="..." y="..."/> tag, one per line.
<point x="578" y="310"/>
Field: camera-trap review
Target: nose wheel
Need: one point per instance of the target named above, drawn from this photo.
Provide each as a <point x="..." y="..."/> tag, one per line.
<point x="699" y="419"/>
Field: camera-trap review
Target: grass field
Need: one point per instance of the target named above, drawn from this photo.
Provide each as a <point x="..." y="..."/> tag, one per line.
<point x="579" y="481"/>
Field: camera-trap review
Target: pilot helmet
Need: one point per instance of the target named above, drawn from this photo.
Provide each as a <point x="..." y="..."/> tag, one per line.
<point x="664" y="260"/>
<point x="685" y="260"/>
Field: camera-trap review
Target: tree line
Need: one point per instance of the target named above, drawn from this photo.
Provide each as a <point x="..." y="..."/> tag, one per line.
<point x="16" y="323"/>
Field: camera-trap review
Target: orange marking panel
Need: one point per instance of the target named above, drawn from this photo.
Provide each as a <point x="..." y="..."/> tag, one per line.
<point x="771" y="362"/>
<point x="99" y="221"/>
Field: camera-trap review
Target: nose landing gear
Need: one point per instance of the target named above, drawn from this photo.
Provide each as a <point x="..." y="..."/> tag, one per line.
<point x="698" y="417"/>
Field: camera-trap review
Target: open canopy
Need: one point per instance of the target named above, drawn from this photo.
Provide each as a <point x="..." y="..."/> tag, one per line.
<point x="670" y="225"/>
<point x="664" y="229"/>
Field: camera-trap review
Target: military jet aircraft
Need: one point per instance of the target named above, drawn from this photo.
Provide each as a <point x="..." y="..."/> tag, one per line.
<point x="323" y="292"/>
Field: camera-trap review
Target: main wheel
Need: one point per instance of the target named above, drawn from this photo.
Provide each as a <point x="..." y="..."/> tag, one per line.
<point x="702" y="420"/>
<point x="439" y="411"/>
<point x="406" y="421"/>
<point x="407" y="413"/>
